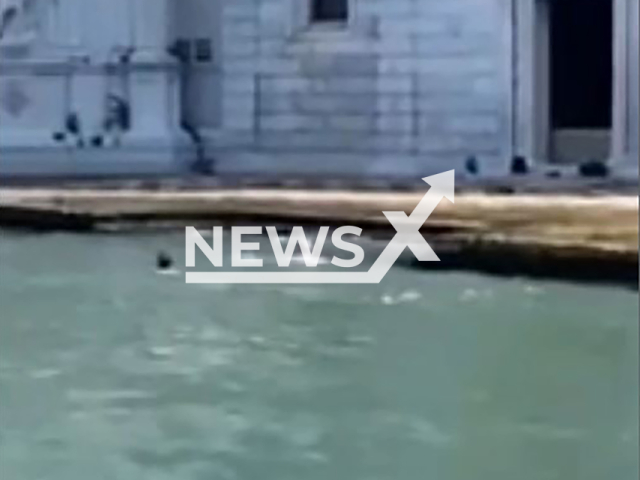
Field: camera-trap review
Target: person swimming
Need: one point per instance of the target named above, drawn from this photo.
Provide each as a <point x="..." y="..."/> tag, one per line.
<point x="164" y="261"/>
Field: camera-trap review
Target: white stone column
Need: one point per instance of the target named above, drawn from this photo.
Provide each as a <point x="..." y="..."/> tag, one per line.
<point x="152" y="27"/>
<point x="625" y="98"/>
<point x="154" y="81"/>
<point x="99" y="31"/>
<point x="531" y="96"/>
<point x="634" y="80"/>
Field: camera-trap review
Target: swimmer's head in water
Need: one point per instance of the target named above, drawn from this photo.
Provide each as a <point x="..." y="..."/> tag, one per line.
<point x="164" y="261"/>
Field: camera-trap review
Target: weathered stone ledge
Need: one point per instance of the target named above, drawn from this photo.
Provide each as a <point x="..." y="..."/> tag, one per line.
<point x="579" y="237"/>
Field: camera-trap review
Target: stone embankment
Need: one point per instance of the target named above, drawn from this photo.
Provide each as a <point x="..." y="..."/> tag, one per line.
<point x="587" y="237"/>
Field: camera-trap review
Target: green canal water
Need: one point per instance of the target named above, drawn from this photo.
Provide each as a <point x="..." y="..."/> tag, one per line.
<point x="109" y="370"/>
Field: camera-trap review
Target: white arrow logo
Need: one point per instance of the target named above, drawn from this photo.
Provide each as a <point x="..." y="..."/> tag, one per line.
<point x="407" y="236"/>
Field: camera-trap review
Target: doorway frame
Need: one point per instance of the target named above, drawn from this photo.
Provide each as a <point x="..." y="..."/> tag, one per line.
<point x="532" y="98"/>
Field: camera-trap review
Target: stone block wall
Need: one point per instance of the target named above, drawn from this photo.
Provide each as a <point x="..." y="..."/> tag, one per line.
<point x="406" y="87"/>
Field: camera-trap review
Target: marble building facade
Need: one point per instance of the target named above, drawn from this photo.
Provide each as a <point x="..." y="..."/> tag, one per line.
<point x="340" y="88"/>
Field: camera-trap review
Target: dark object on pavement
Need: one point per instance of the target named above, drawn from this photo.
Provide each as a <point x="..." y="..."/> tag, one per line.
<point x="554" y="174"/>
<point x="97" y="141"/>
<point x="164" y="261"/>
<point x="594" y="169"/>
<point x="471" y="166"/>
<point x="519" y="166"/>
<point x="59" y="136"/>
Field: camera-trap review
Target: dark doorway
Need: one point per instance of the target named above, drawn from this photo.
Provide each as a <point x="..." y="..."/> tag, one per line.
<point x="582" y="74"/>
